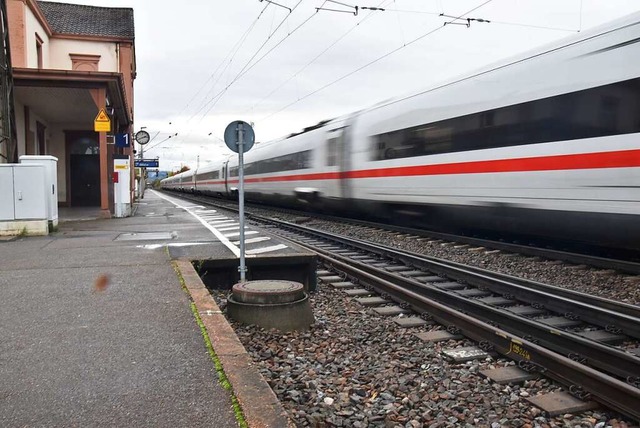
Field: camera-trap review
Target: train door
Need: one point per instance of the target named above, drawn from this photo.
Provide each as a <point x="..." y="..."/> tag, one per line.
<point x="336" y="148"/>
<point x="224" y="177"/>
<point x="344" y="151"/>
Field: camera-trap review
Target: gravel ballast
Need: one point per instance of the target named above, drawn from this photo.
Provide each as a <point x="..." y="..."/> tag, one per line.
<point x="354" y="368"/>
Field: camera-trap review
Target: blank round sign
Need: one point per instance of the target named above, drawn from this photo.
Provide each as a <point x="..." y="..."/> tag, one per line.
<point x="231" y="137"/>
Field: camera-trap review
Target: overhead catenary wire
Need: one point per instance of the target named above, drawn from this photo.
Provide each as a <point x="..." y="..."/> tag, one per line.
<point x="335" y="42"/>
<point x="214" y="99"/>
<point x="219" y="95"/>
<point x="373" y="62"/>
<point x="232" y="52"/>
<point x="153" y="146"/>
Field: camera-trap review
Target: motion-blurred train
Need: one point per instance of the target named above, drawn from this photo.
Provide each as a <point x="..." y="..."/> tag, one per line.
<point x="544" y="144"/>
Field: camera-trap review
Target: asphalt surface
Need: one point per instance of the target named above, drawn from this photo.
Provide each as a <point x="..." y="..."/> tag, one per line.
<point x="130" y="354"/>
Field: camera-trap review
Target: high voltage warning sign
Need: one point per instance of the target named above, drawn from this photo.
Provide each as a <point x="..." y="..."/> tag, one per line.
<point x="102" y="123"/>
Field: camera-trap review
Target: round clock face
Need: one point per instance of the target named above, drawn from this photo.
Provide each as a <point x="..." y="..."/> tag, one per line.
<point x="142" y="137"/>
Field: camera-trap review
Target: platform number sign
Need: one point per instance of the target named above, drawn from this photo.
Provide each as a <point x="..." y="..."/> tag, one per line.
<point x="123" y="140"/>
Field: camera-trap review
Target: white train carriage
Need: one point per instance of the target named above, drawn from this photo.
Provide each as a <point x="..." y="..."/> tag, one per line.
<point x="173" y="183"/>
<point x="210" y="179"/>
<point x="301" y="168"/>
<point x="547" y="143"/>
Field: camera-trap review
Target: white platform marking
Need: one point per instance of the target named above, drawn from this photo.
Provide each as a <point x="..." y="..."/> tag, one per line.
<point x="175" y="244"/>
<point x="248" y="232"/>
<point x="253" y="240"/>
<point x="235" y="250"/>
<point x="227" y="229"/>
<point x="266" y="249"/>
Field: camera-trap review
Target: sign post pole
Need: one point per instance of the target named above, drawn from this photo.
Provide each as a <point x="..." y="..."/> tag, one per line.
<point x="243" y="266"/>
<point x="239" y="137"/>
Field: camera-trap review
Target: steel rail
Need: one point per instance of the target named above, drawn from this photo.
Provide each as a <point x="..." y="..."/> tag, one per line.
<point x="598" y="355"/>
<point x="591" y="309"/>
<point x="606" y="389"/>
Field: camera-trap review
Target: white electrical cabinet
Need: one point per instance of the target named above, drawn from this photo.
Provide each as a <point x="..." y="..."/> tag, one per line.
<point x="50" y="164"/>
<point x="7" y="207"/>
<point x="24" y="200"/>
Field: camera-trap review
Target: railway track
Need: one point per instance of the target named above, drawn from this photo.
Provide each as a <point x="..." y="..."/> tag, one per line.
<point x="627" y="265"/>
<point x="471" y="302"/>
<point x="569" y="336"/>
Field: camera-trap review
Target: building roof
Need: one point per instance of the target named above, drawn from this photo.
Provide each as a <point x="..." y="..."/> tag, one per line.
<point x="85" y="20"/>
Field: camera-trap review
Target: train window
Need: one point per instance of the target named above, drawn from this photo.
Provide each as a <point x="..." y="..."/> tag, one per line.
<point x="332" y="151"/>
<point x="293" y="161"/>
<point x="596" y="112"/>
<point x="208" y="176"/>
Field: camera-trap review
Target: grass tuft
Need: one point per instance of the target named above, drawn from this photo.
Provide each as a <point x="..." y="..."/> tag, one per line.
<point x="222" y="377"/>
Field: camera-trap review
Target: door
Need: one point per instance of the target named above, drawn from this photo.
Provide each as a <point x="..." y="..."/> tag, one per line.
<point x="84" y="169"/>
<point x="85" y="180"/>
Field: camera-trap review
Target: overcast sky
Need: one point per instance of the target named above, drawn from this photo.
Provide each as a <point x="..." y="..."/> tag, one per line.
<point x="204" y="63"/>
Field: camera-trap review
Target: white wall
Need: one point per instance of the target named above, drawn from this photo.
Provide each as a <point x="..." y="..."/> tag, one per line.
<point x="61" y="48"/>
<point x="33" y="27"/>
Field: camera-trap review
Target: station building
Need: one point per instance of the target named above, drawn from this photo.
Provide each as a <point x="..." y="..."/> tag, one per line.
<point x="70" y="61"/>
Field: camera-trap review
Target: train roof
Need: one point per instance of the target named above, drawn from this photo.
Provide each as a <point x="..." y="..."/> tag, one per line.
<point x="608" y="27"/>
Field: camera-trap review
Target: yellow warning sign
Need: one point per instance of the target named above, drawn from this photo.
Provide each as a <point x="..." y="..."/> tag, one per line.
<point x="102" y="123"/>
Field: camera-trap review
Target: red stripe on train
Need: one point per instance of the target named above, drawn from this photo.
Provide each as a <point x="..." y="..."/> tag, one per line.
<point x="617" y="159"/>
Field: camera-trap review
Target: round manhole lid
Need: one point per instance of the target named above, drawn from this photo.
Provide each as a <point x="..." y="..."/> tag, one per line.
<point x="268" y="291"/>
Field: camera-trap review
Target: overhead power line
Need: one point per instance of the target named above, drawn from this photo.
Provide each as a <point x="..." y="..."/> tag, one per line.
<point x="232" y="52"/>
<point x="335" y="42"/>
<point x="373" y="62"/>
<point x="245" y="70"/>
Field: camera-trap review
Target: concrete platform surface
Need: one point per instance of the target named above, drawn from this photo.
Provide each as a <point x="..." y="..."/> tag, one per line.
<point x="96" y="329"/>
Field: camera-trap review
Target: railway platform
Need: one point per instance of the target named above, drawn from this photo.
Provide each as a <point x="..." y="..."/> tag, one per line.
<point x="102" y="324"/>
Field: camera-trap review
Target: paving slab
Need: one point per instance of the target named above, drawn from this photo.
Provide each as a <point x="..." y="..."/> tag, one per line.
<point x="372" y="301"/>
<point x="508" y="374"/>
<point x="525" y="310"/>
<point x="357" y="292"/>
<point x="559" y="403"/>
<point x="329" y="279"/>
<point x="497" y="301"/>
<point x="559" y="322"/>
<point x="449" y="285"/>
<point x="438" y="336"/>
<point x="473" y="292"/>
<point x="411" y="321"/>
<point x="343" y="284"/>
<point x="603" y="336"/>
<point x="430" y="278"/>
<point x="389" y="311"/>
<point x="397" y="269"/>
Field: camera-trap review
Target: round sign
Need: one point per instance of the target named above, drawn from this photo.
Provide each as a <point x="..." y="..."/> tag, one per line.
<point x="142" y="137"/>
<point x="232" y="136"/>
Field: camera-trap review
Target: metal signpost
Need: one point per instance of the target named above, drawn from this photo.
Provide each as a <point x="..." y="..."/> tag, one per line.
<point x="239" y="137"/>
<point x="142" y="137"/>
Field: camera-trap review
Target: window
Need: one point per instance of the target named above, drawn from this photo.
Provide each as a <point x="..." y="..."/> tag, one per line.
<point x="39" y="43"/>
<point x="332" y="151"/>
<point x="595" y="112"/>
<point x="290" y="162"/>
<point x="212" y="175"/>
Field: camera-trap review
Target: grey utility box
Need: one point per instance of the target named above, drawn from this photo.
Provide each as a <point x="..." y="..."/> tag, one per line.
<point x="50" y="164"/>
<point x="24" y="204"/>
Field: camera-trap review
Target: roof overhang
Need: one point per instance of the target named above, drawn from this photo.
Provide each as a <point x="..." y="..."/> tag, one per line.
<point x="72" y="79"/>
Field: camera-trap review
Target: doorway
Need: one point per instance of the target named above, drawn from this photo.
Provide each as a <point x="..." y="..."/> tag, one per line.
<point x="83" y="182"/>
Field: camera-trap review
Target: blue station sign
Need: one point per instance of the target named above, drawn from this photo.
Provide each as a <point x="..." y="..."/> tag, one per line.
<point x="146" y="163"/>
